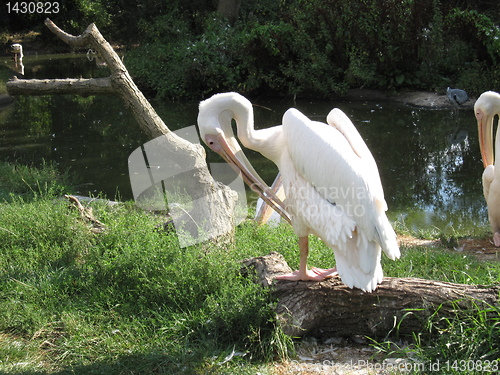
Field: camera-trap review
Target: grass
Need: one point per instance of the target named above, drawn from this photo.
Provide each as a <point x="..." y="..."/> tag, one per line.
<point x="466" y="343"/>
<point x="130" y="295"/>
<point x="127" y="299"/>
<point x="30" y="182"/>
<point x="130" y="300"/>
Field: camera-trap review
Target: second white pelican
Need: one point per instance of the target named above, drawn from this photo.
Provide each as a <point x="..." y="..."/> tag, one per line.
<point x="486" y="108"/>
<point x="331" y="184"/>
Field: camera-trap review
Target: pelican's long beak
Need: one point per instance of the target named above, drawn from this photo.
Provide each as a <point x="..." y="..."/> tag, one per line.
<point x="264" y="213"/>
<point x="232" y="153"/>
<point x="485" y="134"/>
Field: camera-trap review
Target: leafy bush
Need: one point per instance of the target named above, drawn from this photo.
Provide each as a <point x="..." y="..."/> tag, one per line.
<point x="319" y="48"/>
<point x="315" y="48"/>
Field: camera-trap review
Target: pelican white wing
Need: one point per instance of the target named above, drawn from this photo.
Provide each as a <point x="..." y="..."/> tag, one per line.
<point x="340" y="121"/>
<point x="333" y="194"/>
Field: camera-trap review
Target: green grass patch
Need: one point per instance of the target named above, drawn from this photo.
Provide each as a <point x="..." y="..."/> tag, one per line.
<point x="437" y="263"/>
<point x="465" y="343"/>
<point x="27" y="182"/>
<point x="129" y="294"/>
<point x="130" y="300"/>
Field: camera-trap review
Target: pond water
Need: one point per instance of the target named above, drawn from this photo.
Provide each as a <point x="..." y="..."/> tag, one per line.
<point x="428" y="159"/>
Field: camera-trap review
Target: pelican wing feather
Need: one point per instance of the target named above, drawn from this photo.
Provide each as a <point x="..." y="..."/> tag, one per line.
<point x="324" y="157"/>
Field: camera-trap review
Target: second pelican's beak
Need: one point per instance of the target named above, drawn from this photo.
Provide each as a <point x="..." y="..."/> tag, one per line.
<point x="265" y="211"/>
<point x="485" y="134"/>
<point x="232" y="153"/>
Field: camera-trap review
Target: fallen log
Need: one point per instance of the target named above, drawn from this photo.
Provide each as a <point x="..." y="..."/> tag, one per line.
<point x="331" y="309"/>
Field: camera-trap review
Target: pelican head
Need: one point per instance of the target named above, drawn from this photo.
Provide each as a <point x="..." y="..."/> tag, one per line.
<point x="486" y="108"/>
<point x="214" y="122"/>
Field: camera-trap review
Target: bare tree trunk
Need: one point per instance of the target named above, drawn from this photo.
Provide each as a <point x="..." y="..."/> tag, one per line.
<point x="216" y="212"/>
<point x="331" y="309"/>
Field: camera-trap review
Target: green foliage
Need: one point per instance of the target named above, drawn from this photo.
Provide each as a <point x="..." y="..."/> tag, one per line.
<point x="485" y="31"/>
<point x="28" y="182"/>
<point x="184" y="60"/>
<point x="89" y="12"/>
<point x="316" y="48"/>
<point x="475" y="39"/>
<point x="319" y="48"/>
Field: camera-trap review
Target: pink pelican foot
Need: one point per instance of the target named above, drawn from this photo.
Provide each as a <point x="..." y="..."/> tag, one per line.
<point x="314" y="274"/>
<point x="328" y="273"/>
<point x="308" y="275"/>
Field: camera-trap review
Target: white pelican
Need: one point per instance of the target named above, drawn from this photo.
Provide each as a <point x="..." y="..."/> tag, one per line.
<point x="486" y="108"/>
<point x="330" y="179"/>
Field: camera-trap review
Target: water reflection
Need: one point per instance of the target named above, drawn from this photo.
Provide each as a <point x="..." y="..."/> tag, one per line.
<point x="56" y="66"/>
<point x="90" y="136"/>
<point x="429" y="160"/>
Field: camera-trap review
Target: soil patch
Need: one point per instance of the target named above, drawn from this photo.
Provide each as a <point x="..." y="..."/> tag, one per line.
<point x="481" y="248"/>
<point x="344" y="358"/>
<point x="415" y="98"/>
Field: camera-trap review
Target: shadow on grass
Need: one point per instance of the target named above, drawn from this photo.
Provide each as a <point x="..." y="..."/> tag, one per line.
<point x="147" y="363"/>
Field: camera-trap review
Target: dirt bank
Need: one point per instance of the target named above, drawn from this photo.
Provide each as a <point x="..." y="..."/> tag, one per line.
<point x="415" y="98"/>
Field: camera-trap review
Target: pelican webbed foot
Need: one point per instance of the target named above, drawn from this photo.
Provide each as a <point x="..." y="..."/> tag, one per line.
<point x="328" y="273"/>
<point x="314" y="274"/>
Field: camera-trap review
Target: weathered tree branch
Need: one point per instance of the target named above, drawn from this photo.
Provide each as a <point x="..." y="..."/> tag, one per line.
<point x="329" y="308"/>
<point x="121" y="82"/>
<point x="79" y="41"/>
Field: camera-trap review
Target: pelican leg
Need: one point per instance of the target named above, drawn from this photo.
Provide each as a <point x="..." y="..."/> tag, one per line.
<point x="496" y="239"/>
<point x="303" y="273"/>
